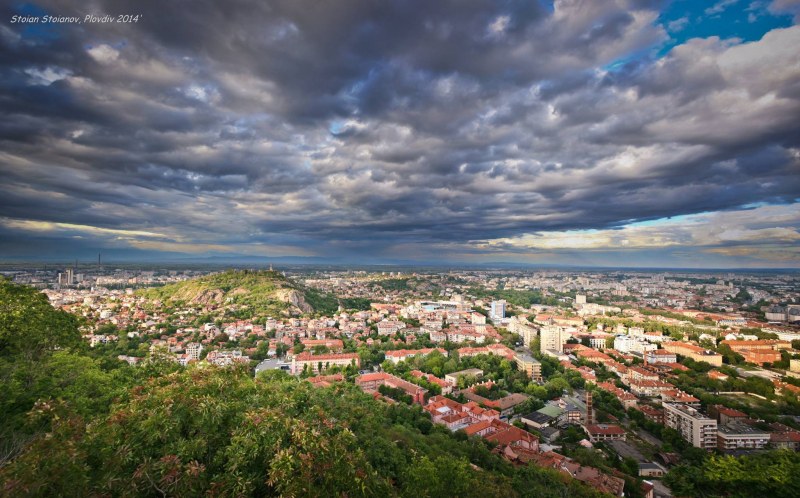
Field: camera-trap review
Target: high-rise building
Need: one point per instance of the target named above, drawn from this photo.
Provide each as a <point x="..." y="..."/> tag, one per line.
<point x="580" y="299"/>
<point x="193" y="350"/>
<point x="553" y="338"/>
<point x="69" y="278"/>
<point x="694" y="427"/>
<point x="498" y="310"/>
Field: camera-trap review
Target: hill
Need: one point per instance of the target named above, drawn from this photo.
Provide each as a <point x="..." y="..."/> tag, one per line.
<point x="262" y="292"/>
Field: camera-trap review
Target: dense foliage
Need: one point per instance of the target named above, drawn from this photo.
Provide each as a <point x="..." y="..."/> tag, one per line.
<point x="775" y="474"/>
<point x="521" y="298"/>
<point x="220" y="432"/>
<point x="29" y="326"/>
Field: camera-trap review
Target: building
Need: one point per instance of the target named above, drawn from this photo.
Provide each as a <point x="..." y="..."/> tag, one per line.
<point x="652" y="414"/>
<point x="760" y="357"/>
<point x="758" y="345"/>
<point x="334" y="345"/>
<point x="496" y="349"/>
<point x="660" y="356"/>
<point x="677" y="396"/>
<point x="524" y="328"/>
<point x="443" y="384"/>
<point x="505" y="405"/>
<point x="725" y="415"/>
<point x="604" y="432"/>
<point x="389" y="327"/>
<point x="694" y="352"/>
<point x="651" y="469"/>
<point x="370" y="383"/>
<point x="194" y="350"/>
<point x="784" y="437"/>
<point x="627" y="399"/>
<point x="537" y="420"/>
<point x="399" y="355"/>
<point x="593" y="356"/>
<point x="320" y="362"/>
<point x="528" y="364"/>
<point x="739" y="436"/>
<point x="553" y="338"/>
<point x="693" y="426"/>
<point x="776" y="314"/>
<point x="498" y="311"/>
<point x="631" y="344"/>
<point x="452" y="378"/>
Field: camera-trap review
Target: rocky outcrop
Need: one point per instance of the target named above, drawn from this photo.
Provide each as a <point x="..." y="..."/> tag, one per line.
<point x="294" y="298"/>
<point x="209" y="296"/>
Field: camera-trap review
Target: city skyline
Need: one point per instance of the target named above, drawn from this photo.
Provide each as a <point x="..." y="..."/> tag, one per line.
<point x="615" y="133"/>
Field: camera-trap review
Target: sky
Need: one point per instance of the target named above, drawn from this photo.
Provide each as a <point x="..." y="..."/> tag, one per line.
<point x="590" y="133"/>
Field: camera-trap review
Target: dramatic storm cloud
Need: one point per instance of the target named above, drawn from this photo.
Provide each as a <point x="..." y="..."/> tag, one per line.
<point x="587" y="132"/>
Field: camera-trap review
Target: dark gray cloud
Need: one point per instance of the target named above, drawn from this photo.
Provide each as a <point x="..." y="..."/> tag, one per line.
<point x="356" y="127"/>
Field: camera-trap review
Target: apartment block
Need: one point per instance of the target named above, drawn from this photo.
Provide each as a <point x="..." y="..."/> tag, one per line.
<point x="693" y="426"/>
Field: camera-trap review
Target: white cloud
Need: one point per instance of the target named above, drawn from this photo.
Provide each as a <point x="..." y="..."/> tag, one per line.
<point x="47" y="75"/>
<point x="735" y="232"/>
<point x="719" y="7"/>
<point x="104" y="54"/>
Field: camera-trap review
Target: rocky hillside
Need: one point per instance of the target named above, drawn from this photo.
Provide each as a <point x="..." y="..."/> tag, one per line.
<point x="261" y="292"/>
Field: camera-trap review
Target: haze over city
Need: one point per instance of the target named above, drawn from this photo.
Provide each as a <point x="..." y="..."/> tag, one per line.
<point x="608" y="133"/>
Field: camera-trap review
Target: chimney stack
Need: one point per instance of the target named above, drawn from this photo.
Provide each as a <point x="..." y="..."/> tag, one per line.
<point x="589" y="412"/>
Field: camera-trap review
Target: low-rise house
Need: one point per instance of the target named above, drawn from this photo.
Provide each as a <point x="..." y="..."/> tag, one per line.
<point x="325" y="380"/>
<point x="452" y="378"/>
<point x="320" y="362"/>
<point x="370" y="383"/>
<point x="495" y="349"/>
<point x="636" y="374"/>
<point x="455" y="415"/>
<point x="443" y="384"/>
<point x="628" y="400"/>
<point x="389" y="327"/>
<point x="679" y="397"/>
<point x="725" y="415"/>
<point x="740" y="436"/>
<point x="758" y="345"/>
<point x="717" y="375"/>
<point x="226" y="358"/>
<point x="651" y="469"/>
<point x="694" y="352"/>
<point x="593" y="356"/>
<point x="660" y="356"/>
<point x="760" y="357"/>
<point x="784" y="437"/>
<point x="504" y="405"/>
<point x="537" y="420"/>
<point x="652" y="414"/>
<point x="334" y="345"/>
<point x="649" y="388"/>
<point x="604" y="432"/>
<point x="399" y="355"/>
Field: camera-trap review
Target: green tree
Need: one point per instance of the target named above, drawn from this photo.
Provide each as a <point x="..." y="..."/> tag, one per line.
<point x="30" y="327"/>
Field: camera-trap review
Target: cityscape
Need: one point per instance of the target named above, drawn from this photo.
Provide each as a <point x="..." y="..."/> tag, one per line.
<point x="416" y="249"/>
<point x="615" y="378"/>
